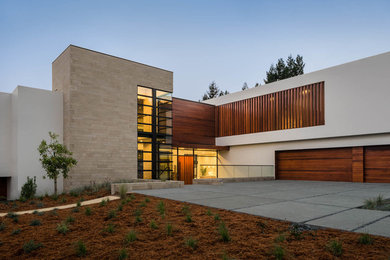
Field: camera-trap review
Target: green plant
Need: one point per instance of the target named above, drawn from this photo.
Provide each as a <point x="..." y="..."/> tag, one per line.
<point x="225" y="256"/>
<point x="138" y="212"/>
<point x="132" y="196"/>
<point x="280" y="238"/>
<point x="62" y="228"/>
<point x="76" y="209"/>
<point x="169" y="229"/>
<point x="261" y="225"/>
<point x="223" y="232"/>
<point x="31" y="246"/>
<point x="216" y="217"/>
<point x="120" y="207"/>
<point x="81" y="249"/>
<point x="278" y="252"/>
<point x="295" y="231"/>
<point x="69" y="220"/>
<point x="16" y="231"/>
<point x="123" y="191"/>
<point x="208" y="212"/>
<point x="32" y="202"/>
<point x="35" y="222"/>
<point x="54" y="197"/>
<point x="161" y="208"/>
<point x="379" y="200"/>
<point x="138" y="219"/>
<point x="63" y="200"/>
<point x="41" y="213"/>
<point x="142" y="204"/>
<point x="190" y="242"/>
<point x="111" y="214"/>
<point x="130" y="237"/>
<point x="29" y="188"/>
<point x="40" y="205"/>
<point x="188" y="218"/>
<point x="335" y="247"/>
<point x="78" y="204"/>
<point x="203" y="171"/>
<point x="54" y="212"/>
<point x="103" y="203"/>
<point x="13" y="216"/>
<point x="56" y="159"/>
<point x="110" y="228"/>
<point x="2" y="226"/>
<point x="185" y="209"/>
<point x="369" y="204"/>
<point x="365" y="239"/>
<point x="122" y="254"/>
<point x="153" y="224"/>
<point x="147" y="200"/>
<point x="88" y="211"/>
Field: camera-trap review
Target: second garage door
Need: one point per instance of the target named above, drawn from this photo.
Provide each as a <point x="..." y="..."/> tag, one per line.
<point x="333" y="164"/>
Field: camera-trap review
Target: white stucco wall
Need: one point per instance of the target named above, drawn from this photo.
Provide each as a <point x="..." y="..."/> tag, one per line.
<point x="356" y="102"/>
<point x="32" y="113"/>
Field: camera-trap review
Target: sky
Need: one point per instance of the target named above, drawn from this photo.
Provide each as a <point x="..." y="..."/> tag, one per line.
<point x="229" y="42"/>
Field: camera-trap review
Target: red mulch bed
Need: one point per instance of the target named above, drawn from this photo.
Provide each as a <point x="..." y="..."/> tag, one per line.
<point x="252" y="237"/>
<point x="50" y="201"/>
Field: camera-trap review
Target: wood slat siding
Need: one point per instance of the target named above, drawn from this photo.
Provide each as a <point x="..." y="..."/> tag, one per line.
<point x="193" y="124"/>
<point x="292" y="108"/>
<point x="377" y="163"/>
<point x="333" y="164"/>
<point x="358" y="164"/>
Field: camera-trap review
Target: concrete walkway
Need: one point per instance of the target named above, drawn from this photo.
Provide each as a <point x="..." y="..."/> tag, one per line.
<point x="68" y="206"/>
<point x="325" y="204"/>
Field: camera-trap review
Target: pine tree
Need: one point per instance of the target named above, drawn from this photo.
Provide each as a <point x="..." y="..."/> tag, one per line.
<point x="283" y="70"/>
<point x="214" y="92"/>
<point x="245" y="86"/>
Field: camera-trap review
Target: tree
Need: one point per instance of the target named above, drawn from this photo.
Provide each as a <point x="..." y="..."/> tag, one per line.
<point x="214" y="92"/>
<point x="245" y="86"/>
<point x="283" y="70"/>
<point x="56" y="159"/>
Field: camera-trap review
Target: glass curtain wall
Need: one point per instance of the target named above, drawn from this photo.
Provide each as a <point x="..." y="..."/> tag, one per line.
<point x="154" y="121"/>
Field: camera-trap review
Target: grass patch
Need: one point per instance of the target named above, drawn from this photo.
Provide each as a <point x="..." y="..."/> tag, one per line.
<point x="103" y="203"/>
<point x="123" y="254"/>
<point x="278" y="252"/>
<point x="365" y="239"/>
<point x="223" y="232"/>
<point x="335" y="247"/>
<point x="295" y="232"/>
<point x="16" y="232"/>
<point x="185" y="209"/>
<point x="216" y="217"/>
<point x="110" y="228"/>
<point x="169" y="229"/>
<point x="192" y="243"/>
<point x="81" y="249"/>
<point x="209" y="213"/>
<point x="88" y="211"/>
<point x="69" y="220"/>
<point x="161" y="208"/>
<point x="188" y="218"/>
<point x="30" y="246"/>
<point x="35" y="222"/>
<point x="123" y="191"/>
<point x="153" y="224"/>
<point x="279" y="239"/>
<point x="111" y="214"/>
<point x="62" y="228"/>
<point x="130" y="237"/>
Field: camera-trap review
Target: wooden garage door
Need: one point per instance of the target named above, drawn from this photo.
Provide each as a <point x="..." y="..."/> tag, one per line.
<point x="317" y="164"/>
<point x="377" y="163"/>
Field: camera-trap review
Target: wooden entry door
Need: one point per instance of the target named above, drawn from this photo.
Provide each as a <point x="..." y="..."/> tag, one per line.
<point x="186" y="168"/>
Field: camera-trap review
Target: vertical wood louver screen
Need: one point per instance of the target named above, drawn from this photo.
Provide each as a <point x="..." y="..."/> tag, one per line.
<point x="292" y="108"/>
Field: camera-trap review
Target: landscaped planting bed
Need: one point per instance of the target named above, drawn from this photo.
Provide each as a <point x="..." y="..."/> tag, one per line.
<point x="143" y="227"/>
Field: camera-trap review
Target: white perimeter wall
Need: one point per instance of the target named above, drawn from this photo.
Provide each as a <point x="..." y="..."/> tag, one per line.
<point x="26" y="117"/>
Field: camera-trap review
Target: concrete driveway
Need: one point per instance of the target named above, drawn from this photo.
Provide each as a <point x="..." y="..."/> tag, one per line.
<point x="325" y="204"/>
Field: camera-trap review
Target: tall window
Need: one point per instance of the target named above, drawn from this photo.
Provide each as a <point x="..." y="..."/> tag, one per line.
<point x="154" y="133"/>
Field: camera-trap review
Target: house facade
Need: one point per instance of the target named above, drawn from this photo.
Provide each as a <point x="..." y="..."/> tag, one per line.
<point x="119" y="119"/>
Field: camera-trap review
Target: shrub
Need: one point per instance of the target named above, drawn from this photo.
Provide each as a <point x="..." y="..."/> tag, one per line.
<point x="130" y="237"/>
<point x="81" y="249"/>
<point x="190" y="242"/>
<point x="54" y="197"/>
<point x="153" y="224"/>
<point x="103" y="203"/>
<point x="161" y="207"/>
<point x="120" y="207"/>
<point x="122" y="254"/>
<point x="132" y="196"/>
<point x="78" y="204"/>
<point x="69" y="220"/>
<point x="169" y="229"/>
<point x="223" y="232"/>
<point x="13" y="216"/>
<point x="295" y="232"/>
<point x="188" y="218"/>
<point x="2" y="226"/>
<point x="110" y="228"/>
<point x="216" y="217"/>
<point x="365" y="239"/>
<point x="379" y="200"/>
<point x="335" y="247"/>
<point x="147" y="200"/>
<point x="142" y="204"/>
<point x="63" y="200"/>
<point x="138" y="219"/>
<point x="280" y="238"/>
<point x="369" y="204"/>
<point x="31" y="246"/>
<point x="111" y="214"/>
<point x="208" y="213"/>
<point x="35" y="222"/>
<point x="29" y="188"/>
<point x="62" y="228"/>
<point x="88" y="211"/>
<point x="185" y="209"/>
<point x="278" y="252"/>
<point x="137" y="212"/>
<point x="123" y="191"/>
<point x="16" y="231"/>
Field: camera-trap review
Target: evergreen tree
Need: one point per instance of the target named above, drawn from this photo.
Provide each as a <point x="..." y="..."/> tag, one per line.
<point x="283" y="70"/>
<point x="245" y="86"/>
<point x="213" y="92"/>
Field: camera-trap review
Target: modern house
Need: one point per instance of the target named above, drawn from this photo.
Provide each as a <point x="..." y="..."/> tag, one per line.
<point x="119" y="119"/>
